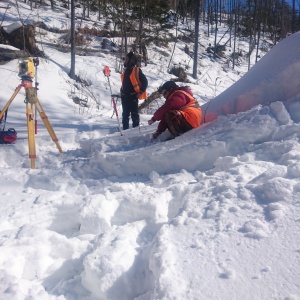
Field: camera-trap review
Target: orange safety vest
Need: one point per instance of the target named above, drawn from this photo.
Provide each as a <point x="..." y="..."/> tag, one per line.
<point x="191" y="111"/>
<point x="135" y="80"/>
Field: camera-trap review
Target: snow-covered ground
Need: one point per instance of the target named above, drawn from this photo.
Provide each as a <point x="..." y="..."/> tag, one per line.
<point x="213" y="214"/>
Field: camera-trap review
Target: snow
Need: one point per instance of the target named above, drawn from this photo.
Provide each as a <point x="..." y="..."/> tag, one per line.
<point x="212" y="214"/>
<point x="266" y="82"/>
<point x="13" y="26"/>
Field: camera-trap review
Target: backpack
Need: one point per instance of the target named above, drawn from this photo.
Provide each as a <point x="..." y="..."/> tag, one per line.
<point x="7" y="136"/>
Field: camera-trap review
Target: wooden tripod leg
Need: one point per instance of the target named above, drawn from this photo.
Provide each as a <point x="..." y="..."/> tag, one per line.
<point x="48" y="125"/>
<point x="10" y="100"/>
<point x="31" y="136"/>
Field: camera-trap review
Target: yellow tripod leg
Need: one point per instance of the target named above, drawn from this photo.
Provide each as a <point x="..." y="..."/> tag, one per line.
<point x="48" y="125"/>
<point x="31" y="136"/>
<point x="10" y="100"/>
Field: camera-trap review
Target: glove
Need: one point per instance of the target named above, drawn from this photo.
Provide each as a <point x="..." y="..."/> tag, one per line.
<point x="155" y="135"/>
<point x="151" y="121"/>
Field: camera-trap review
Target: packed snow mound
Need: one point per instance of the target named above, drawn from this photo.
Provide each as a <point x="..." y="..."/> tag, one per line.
<point x="199" y="149"/>
<point x="273" y="78"/>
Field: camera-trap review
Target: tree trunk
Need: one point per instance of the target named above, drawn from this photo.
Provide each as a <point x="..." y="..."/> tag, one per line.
<point x="196" y="39"/>
<point x="216" y="27"/>
<point x="124" y="26"/>
<point x="258" y="29"/>
<point x="234" y="33"/>
<point x="72" y="70"/>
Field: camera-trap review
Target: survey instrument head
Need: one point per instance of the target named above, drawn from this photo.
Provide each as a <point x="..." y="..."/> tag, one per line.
<point x="26" y="67"/>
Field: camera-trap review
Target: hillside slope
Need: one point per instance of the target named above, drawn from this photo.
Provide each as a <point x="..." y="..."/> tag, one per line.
<point x="212" y="214"/>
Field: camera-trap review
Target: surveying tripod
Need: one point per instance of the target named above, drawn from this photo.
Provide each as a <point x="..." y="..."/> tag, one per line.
<point x="31" y="101"/>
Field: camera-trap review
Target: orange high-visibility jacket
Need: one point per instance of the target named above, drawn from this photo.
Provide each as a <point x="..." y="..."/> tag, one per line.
<point x="135" y="80"/>
<point x="191" y="111"/>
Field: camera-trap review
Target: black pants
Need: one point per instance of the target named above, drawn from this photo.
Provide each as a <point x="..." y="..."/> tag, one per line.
<point x="130" y="108"/>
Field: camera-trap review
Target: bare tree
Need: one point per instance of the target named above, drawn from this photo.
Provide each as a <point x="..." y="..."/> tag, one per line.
<point x="72" y="69"/>
<point x="216" y="25"/>
<point x="196" y="39"/>
<point x="258" y="28"/>
<point x="124" y="31"/>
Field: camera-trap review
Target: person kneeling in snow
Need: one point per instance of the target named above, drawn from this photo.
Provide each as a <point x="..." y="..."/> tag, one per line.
<point x="180" y="112"/>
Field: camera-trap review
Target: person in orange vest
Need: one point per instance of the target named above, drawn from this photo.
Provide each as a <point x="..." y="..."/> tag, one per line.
<point x="134" y="85"/>
<point x="180" y="113"/>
